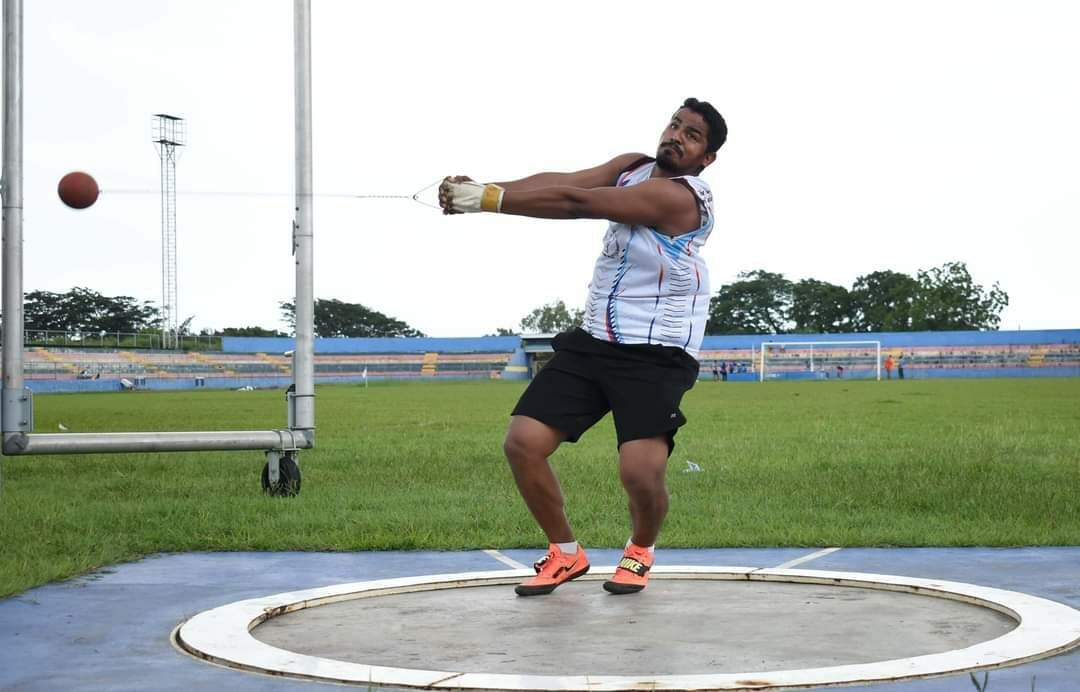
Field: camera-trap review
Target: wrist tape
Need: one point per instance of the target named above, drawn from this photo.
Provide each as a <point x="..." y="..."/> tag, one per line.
<point x="471" y="197"/>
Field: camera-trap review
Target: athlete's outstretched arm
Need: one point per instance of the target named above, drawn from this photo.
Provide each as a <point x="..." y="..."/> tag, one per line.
<point x="669" y="206"/>
<point x="603" y="175"/>
<point x="660" y="203"/>
<point x="599" y="176"/>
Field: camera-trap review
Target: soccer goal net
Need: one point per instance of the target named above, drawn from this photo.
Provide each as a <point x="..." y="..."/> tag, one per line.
<point x="820" y="360"/>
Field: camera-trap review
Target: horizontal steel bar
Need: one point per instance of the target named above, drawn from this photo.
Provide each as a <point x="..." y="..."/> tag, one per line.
<point x="78" y="443"/>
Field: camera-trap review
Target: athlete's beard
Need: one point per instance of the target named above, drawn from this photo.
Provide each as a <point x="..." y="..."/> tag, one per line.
<point x="663" y="158"/>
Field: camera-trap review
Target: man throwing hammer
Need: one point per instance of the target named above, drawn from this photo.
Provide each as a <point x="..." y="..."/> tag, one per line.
<point x="644" y="320"/>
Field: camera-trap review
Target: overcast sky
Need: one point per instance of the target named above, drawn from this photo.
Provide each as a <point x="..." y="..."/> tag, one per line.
<point x="864" y="136"/>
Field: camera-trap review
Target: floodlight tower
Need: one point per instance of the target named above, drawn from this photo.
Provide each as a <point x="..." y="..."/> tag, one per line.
<point x="168" y="135"/>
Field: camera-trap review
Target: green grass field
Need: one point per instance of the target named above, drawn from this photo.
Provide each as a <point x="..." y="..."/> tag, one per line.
<point x="420" y="466"/>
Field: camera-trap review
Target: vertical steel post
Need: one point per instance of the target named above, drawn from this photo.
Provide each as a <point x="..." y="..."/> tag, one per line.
<point x="303" y="403"/>
<point x="15" y="399"/>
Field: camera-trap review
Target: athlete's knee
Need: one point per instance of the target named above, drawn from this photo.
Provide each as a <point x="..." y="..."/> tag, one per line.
<point x="515" y="446"/>
<point x="645" y="480"/>
<point x="528" y="438"/>
<point x="642" y="466"/>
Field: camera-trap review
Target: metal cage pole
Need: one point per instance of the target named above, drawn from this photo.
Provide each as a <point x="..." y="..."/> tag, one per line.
<point x="17" y="408"/>
<point x="303" y="402"/>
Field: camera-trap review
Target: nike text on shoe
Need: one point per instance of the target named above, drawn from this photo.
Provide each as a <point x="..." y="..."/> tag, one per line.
<point x="632" y="572"/>
<point x="553" y="569"/>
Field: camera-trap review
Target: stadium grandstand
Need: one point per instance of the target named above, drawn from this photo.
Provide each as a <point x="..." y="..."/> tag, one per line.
<point x="267" y="362"/>
<point x="923" y="354"/>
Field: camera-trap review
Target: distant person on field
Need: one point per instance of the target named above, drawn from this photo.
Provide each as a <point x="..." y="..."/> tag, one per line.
<point x="900" y="366"/>
<point x="723" y="371"/>
<point x="888" y="367"/>
<point x="645" y="316"/>
<point x="715" y="372"/>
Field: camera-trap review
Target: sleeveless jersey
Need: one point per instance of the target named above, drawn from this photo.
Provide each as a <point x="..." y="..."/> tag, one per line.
<point x="650" y="288"/>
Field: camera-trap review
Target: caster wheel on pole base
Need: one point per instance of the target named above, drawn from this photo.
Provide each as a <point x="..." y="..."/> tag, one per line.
<point x="287" y="483"/>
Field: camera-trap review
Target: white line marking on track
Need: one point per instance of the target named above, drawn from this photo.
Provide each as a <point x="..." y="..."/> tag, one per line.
<point x="807" y="558"/>
<point x="505" y="560"/>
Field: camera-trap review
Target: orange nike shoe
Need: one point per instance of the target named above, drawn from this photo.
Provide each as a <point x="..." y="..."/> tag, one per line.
<point x="632" y="572"/>
<point x="553" y="569"/>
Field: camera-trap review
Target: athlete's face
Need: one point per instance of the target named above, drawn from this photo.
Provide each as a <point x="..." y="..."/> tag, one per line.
<point x="683" y="142"/>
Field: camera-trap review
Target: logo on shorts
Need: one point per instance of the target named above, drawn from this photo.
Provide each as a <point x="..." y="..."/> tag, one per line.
<point x="675" y="415"/>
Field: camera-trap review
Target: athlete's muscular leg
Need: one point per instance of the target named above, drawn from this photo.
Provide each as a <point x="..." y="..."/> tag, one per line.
<point x="528" y="445"/>
<point x="641" y="469"/>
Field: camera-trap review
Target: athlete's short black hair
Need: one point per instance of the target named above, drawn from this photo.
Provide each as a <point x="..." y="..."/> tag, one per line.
<point x="717" y="126"/>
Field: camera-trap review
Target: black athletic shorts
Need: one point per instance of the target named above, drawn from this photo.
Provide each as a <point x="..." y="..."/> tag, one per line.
<point x="641" y="384"/>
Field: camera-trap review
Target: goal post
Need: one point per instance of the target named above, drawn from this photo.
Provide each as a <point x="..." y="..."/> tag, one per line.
<point x="859" y="359"/>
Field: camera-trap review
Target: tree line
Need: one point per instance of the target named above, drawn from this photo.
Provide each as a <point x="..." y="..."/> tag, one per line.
<point x="762" y="302"/>
<point x="85" y="311"/>
<point x="937" y="299"/>
<point x="758" y="302"/>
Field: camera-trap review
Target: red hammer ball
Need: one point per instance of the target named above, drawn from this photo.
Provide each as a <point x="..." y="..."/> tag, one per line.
<point x="77" y="190"/>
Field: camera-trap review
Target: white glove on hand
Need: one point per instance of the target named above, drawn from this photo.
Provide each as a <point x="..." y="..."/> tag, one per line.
<point x="468" y="196"/>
